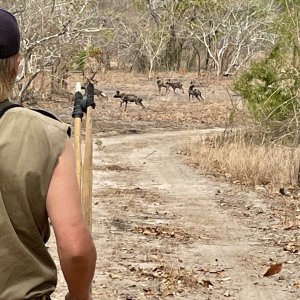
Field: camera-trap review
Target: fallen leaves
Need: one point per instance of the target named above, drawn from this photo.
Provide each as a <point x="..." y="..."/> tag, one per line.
<point x="274" y="269"/>
<point x="169" y="280"/>
<point x="206" y="283"/>
<point x="297" y="285"/>
<point x="292" y="248"/>
<point x="163" y="232"/>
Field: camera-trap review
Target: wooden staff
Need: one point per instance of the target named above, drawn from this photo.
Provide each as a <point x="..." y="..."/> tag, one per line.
<point x="77" y="115"/>
<point x="87" y="173"/>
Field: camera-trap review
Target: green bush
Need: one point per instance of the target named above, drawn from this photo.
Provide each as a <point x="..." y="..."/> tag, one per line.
<point x="270" y="87"/>
<point x="80" y="59"/>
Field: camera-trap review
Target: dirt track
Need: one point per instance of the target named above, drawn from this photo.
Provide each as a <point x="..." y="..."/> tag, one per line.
<point x="162" y="230"/>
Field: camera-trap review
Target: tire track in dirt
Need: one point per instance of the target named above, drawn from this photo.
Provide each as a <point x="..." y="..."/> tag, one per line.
<point x="160" y="232"/>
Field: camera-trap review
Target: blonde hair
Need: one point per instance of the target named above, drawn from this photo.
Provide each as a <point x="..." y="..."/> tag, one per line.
<point x="8" y="72"/>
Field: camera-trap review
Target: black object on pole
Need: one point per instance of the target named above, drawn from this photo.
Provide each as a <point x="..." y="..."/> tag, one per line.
<point x="90" y="91"/>
<point x="79" y="106"/>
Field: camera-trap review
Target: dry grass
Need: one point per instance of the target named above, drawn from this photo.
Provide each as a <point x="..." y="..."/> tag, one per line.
<point x="245" y="162"/>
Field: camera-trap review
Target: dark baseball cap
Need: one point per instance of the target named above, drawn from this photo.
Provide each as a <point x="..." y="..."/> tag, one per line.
<point x="9" y="35"/>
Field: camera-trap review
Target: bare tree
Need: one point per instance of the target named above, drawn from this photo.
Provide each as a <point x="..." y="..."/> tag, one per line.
<point x="143" y="35"/>
<point x="51" y="33"/>
<point x="233" y="32"/>
<point x="153" y="42"/>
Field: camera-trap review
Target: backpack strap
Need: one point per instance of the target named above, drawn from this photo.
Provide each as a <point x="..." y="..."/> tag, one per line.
<point x="50" y="115"/>
<point x="45" y="113"/>
<point x="6" y="105"/>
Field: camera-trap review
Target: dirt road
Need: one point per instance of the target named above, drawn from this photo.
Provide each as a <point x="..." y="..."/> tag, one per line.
<point x="162" y="232"/>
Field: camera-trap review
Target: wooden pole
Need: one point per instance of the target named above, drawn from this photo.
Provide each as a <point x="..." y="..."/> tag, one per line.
<point x="87" y="172"/>
<point x="84" y="176"/>
<point x="77" y="141"/>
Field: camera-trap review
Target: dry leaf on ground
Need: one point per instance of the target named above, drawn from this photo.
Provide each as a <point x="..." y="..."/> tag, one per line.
<point x="206" y="283"/>
<point x="274" y="269"/>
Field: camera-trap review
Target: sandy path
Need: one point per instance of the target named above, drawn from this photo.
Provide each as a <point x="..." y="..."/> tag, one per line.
<point x="160" y="231"/>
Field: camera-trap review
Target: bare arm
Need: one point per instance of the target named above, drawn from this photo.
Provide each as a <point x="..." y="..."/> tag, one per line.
<point x="75" y="246"/>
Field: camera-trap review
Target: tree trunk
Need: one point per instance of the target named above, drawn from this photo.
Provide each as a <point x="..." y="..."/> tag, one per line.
<point x="207" y="52"/>
<point x="199" y="59"/>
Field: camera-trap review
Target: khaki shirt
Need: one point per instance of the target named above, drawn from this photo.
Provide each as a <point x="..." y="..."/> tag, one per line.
<point x="30" y="145"/>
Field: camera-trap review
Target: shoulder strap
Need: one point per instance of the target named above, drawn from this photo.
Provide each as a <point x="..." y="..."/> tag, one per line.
<point x="45" y="113"/>
<point x="6" y="105"/>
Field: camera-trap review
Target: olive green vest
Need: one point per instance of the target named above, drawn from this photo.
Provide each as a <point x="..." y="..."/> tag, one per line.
<point x="30" y="145"/>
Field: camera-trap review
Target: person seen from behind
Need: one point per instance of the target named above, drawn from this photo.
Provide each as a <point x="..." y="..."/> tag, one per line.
<point x="37" y="183"/>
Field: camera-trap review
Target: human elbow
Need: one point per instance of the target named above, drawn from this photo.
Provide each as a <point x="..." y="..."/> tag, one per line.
<point x="79" y="249"/>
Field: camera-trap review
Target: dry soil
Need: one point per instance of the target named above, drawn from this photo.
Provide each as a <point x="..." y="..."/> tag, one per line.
<point x="164" y="231"/>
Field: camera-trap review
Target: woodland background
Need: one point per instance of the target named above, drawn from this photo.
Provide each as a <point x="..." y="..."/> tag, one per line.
<point x="222" y="37"/>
